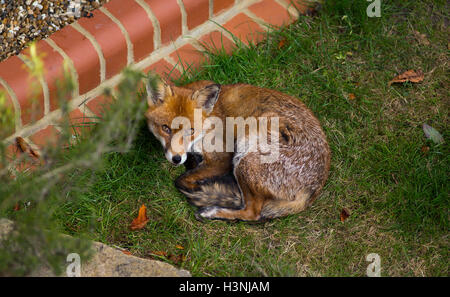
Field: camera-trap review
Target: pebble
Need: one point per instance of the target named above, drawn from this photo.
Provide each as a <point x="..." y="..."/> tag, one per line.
<point x="23" y="21"/>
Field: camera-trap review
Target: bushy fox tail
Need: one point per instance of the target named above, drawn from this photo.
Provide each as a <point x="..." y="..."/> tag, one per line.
<point x="221" y="191"/>
<point x="280" y="208"/>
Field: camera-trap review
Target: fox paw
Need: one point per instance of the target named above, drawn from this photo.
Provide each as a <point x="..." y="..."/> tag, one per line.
<point x="198" y="217"/>
<point x="208" y="212"/>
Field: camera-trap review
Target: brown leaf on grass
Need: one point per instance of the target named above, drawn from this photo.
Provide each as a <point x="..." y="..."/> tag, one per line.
<point x="140" y="222"/>
<point x="425" y="149"/>
<point x="159" y="253"/>
<point x="282" y="43"/>
<point x="410" y="75"/>
<point x="351" y="96"/>
<point x="177" y="259"/>
<point x="126" y="252"/>
<point x="180" y="247"/>
<point x="345" y="213"/>
<point x="421" y="38"/>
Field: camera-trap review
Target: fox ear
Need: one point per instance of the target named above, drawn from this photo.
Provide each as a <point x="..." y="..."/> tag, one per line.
<point x="207" y="97"/>
<point x="157" y="90"/>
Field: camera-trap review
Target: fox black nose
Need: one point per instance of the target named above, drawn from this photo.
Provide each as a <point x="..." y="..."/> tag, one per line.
<point x="176" y="159"/>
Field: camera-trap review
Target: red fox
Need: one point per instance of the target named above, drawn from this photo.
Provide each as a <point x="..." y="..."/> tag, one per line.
<point x="236" y="185"/>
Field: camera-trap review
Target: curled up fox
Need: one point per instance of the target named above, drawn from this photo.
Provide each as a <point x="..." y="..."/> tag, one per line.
<point x="265" y="155"/>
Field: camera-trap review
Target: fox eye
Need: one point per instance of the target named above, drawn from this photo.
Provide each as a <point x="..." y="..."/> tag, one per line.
<point x="166" y="129"/>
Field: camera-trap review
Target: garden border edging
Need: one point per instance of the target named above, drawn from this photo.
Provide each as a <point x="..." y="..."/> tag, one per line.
<point x="95" y="60"/>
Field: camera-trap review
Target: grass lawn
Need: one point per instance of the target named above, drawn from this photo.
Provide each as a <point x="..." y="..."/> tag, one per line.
<point x="339" y="63"/>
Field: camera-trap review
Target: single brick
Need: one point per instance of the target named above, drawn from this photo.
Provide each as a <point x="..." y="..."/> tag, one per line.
<point x="83" y="55"/>
<point x="197" y="12"/>
<point x="14" y="72"/>
<point x="99" y="104"/>
<point x="168" y="13"/>
<point x="217" y="41"/>
<point x="220" y="5"/>
<point x="53" y="69"/>
<point x="271" y="12"/>
<point x="111" y="40"/>
<point x="245" y="29"/>
<point x="47" y="136"/>
<point x="188" y="57"/>
<point x="139" y="27"/>
<point x="80" y="122"/>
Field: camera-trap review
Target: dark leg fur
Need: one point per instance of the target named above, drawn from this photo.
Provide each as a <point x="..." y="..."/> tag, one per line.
<point x="193" y="160"/>
<point x="220" y="191"/>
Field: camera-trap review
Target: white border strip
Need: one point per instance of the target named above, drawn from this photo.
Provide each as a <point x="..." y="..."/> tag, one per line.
<point x="156" y="55"/>
<point x="184" y="26"/>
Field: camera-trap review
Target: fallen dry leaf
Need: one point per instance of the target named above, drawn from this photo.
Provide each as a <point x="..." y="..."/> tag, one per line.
<point x="21" y="144"/>
<point x="282" y="43"/>
<point x="24" y="147"/>
<point x="159" y="253"/>
<point x="351" y="96"/>
<point x="180" y="247"/>
<point x="177" y="259"/>
<point x="410" y="75"/>
<point x="345" y="213"/>
<point x="140" y="222"/>
<point x="126" y="252"/>
<point x="421" y="38"/>
<point x="425" y="149"/>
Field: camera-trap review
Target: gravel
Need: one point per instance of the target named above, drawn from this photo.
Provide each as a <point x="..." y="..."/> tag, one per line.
<point x="23" y="21"/>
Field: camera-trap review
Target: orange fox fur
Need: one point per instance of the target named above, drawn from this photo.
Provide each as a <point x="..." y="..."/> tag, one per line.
<point x="231" y="186"/>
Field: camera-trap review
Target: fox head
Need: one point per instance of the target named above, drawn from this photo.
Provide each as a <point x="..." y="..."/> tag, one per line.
<point x="170" y="115"/>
